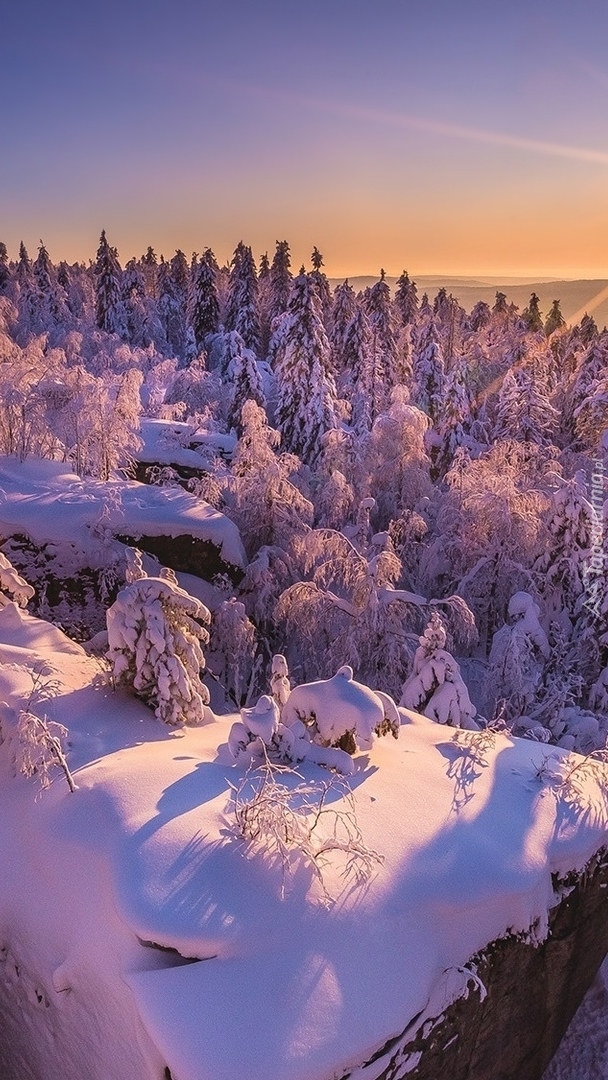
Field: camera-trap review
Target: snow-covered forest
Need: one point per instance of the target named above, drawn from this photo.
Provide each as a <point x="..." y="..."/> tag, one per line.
<point x="412" y="482"/>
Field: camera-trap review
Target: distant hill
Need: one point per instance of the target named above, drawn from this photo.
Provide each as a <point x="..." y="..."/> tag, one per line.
<point x="576" y="297"/>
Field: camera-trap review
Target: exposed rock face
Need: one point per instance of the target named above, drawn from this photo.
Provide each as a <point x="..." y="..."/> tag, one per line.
<point x="188" y="554"/>
<point x="532" y="994"/>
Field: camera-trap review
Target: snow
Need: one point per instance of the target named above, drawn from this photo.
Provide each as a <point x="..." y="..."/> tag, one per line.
<point x="175" y="443"/>
<point x="287" y="985"/>
<point x="46" y="502"/>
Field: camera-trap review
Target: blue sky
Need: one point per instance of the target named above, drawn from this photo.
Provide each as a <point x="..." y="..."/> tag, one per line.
<point x="448" y="138"/>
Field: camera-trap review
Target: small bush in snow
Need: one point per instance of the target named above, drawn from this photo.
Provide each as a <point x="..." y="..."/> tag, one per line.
<point x="436" y="688"/>
<point x="155" y="637"/>
<point x="36" y="744"/>
<point x="310" y="822"/>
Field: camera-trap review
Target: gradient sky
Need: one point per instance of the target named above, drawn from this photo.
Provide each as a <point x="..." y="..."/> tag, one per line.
<point x="447" y="137"/>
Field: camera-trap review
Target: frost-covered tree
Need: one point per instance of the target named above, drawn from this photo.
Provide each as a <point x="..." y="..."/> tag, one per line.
<point x="524" y="411"/>
<point x="205" y="304"/>
<point x="280" y="278"/>
<point x="406" y="299"/>
<point x="242" y="307"/>
<point x="531" y="316"/>
<point x="155" y="639"/>
<point x="344" y="308"/>
<point x="268" y="508"/>
<point x="13" y="588"/>
<point x="397" y="463"/>
<point x="5" y="273"/>
<point x="51" y="303"/>
<point x="428" y="369"/>
<point x="243" y="375"/>
<point x="435" y="687"/>
<point x="480" y="316"/>
<point x="306" y="394"/>
<point x="555" y="320"/>
<point x="109" y="312"/>
<point x="518" y="651"/>
<point x="321" y="284"/>
<point x="384" y="351"/>
<point x="232" y="649"/>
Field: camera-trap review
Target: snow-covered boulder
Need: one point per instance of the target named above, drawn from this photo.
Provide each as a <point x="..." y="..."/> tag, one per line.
<point x="335" y="708"/>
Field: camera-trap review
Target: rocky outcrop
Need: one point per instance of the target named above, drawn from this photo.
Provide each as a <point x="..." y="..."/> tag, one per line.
<point x="185" y="553"/>
<point x="531" y="994"/>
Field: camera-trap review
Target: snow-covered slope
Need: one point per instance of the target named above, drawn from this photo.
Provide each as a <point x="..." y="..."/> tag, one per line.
<point x="287" y="984"/>
<point x="49" y="504"/>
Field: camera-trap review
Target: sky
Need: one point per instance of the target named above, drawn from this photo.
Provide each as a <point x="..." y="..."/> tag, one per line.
<point x="436" y="136"/>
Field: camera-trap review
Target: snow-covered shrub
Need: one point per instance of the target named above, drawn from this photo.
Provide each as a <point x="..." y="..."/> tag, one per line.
<point x="35" y="743"/>
<point x="337" y="711"/>
<point x="436" y="688"/>
<point x="516" y="657"/>
<point x="12" y="586"/>
<point x="307" y="822"/>
<point x="280" y="687"/>
<point x="260" y="737"/>
<point x="155" y="637"/>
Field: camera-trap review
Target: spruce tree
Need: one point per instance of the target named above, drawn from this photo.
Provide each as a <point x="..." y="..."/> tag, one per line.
<point x="406" y="299"/>
<point x="305" y="390"/>
<point x="242" y="309"/>
<point x="321" y="284"/>
<point x="5" y="274"/>
<point x="280" y="280"/>
<point x="108" y="313"/>
<point x="555" y="319"/>
<point x="429" y="369"/>
<point x="531" y="316"/>
<point x="384" y="351"/>
<point x="344" y="308"/>
<point x="205" y="307"/>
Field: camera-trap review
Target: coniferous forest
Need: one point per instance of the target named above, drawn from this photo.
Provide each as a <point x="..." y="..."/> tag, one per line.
<point x="418" y="488"/>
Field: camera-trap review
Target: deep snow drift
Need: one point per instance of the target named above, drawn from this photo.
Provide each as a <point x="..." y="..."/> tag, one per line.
<point x="299" y="975"/>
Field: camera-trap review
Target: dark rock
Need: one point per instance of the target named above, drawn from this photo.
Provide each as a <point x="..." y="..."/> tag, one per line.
<point x="532" y="994"/>
<point x="188" y="554"/>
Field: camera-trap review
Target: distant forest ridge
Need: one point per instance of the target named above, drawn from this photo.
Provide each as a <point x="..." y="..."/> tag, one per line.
<point x="576" y="297"/>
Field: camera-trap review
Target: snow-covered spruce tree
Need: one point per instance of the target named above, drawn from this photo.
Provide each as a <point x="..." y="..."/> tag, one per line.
<point x="562" y="564"/>
<point x="280" y="280"/>
<point x="385" y="358"/>
<point x="428" y="369"/>
<point x="555" y="320"/>
<point x="321" y="284"/>
<point x="406" y="299"/>
<point x="5" y="273"/>
<point x="436" y="688"/>
<point x="480" y="316"/>
<point x="518" y="652"/>
<point x="524" y="411"/>
<point x="531" y="316"/>
<point x="171" y="311"/>
<point x="109" y="313"/>
<point x="344" y="307"/>
<point x="455" y="418"/>
<point x="306" y="394"/>
<point x="358" y="383"/>
<point x="243" y="376"/>
<point x="154" y="645"/>
<point x="591" y="417"/>
<point x="242" y="309"/>
<point x="52" y="308"/>
<point x="204" y="303"/>
<point x="396" y="459"/>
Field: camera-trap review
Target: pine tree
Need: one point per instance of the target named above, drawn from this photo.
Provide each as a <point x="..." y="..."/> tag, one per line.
<point x="242" y="309"/>
<point x="108" y="309"/>
<point x="480" y="316"/>
<point x="205" y="306"/>
<point x="359" y="382"/>
<point x="305" y="390"/>
<point x="149" y="264"/>
<point x="406" y="299"/>
<point x="524" y="411"/>
<point x="51" y="299"/>
<point x="171" y="311"/>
